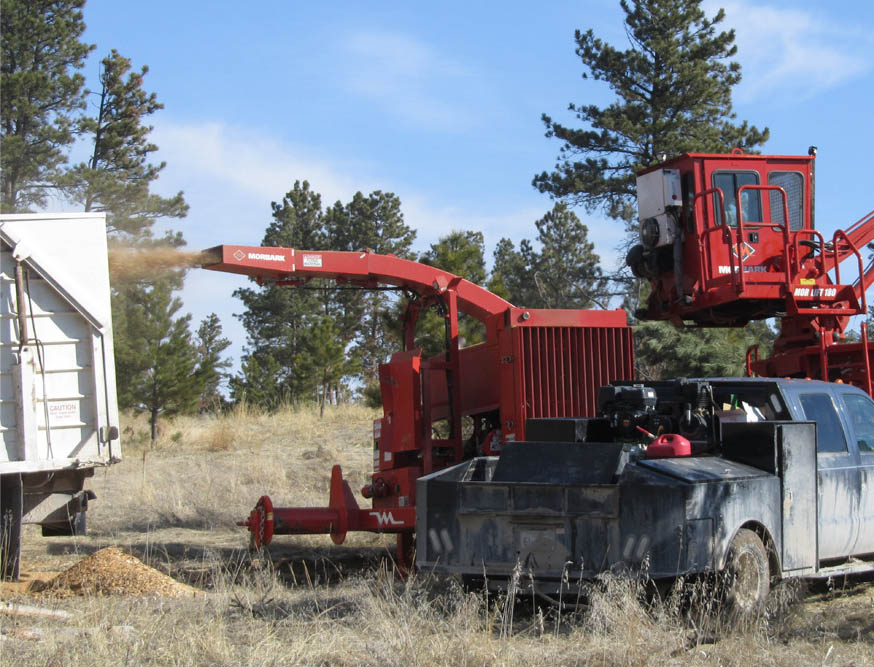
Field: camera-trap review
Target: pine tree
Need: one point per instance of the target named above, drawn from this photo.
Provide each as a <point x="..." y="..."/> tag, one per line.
<point x="373" y="222"/>
<point x="564" y="273"/>
<point x="117" y="176"/>
<point x="155" y="358"/>
<point x="459" y="252"/>
<point x="324" y="362"/>
<point x="566" y="270"/>
<point x="462" y="253"/>
<point x="673" y="88"/>
<point x="259" y="383"/>
<point x="41" y="94"/>
<point x="116" y="180"/>
<point x="209" y="346"/>
<point x="277" y="318"/>
<point x="664" y="351"/>
<point x="283" y="323"/>
<point x="512" y="274"/>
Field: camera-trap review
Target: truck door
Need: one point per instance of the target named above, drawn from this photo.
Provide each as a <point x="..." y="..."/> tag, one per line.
<point x="859" y="411"/>
<point x="838" y="490"/>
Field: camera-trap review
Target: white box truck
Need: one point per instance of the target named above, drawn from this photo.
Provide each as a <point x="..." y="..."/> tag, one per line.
<point x="58" y="410"/>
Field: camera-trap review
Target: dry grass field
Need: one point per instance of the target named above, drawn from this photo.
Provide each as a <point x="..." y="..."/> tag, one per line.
<point x="310" y="602"/>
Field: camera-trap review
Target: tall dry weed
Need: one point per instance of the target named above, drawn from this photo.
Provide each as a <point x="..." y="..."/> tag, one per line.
<point x="212" y="469"/>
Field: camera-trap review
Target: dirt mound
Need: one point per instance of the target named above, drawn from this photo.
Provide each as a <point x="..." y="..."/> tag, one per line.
<point x="111" y="571"/>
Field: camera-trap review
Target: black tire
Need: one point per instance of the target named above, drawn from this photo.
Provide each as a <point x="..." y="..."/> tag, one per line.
<point x="747" y="575"/>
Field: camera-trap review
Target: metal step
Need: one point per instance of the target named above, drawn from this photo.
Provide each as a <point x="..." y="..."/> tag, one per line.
<point x="853" y="566"/>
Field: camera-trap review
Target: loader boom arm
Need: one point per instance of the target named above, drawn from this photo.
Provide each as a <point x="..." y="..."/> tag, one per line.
<point x="860" y="234"/>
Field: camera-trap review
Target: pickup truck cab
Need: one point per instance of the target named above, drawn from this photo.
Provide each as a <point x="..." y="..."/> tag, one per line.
<point x="759" y="478"/>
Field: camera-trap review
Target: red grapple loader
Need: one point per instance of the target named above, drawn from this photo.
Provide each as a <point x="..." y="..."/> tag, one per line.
<point x="726" y="239"/>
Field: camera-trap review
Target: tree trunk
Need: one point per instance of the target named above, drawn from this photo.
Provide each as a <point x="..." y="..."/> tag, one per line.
<point x="154" y="422"/>
<point x="323" y="398"/>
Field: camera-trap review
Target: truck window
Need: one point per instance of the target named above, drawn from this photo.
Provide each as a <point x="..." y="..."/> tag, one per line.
<point x="729" y="182"/>
<point x="793" y="183"/>
<point x="829" y="434"/>
<point x="861" y="411"/>
<point x="760" y="401"/>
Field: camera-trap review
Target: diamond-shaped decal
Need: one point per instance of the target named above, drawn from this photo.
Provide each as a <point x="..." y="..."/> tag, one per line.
<point x="239" y="255"/>
<point x="746" y="251"/>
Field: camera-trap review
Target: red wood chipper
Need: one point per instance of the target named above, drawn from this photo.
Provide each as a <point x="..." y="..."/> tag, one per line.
<point x="533" y="363"/>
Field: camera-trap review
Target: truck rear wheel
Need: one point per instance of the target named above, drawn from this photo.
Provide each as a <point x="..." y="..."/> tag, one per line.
<point x="747" y="576"/>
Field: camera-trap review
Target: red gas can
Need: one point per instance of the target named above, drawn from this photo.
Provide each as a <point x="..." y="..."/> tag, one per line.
<point x="669" y="445"/>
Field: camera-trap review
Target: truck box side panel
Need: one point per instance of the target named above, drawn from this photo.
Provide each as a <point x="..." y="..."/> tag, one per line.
<point x="663" y="519"/>
<point x="69" y="390"/>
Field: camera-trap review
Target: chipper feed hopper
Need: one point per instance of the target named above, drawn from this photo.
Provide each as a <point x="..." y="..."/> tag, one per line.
<point x="533" y="363"/>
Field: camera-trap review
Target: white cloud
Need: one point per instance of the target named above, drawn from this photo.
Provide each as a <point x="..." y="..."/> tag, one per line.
<point x="230" y="175"/>
<point x="792" y="53"/>
<point x="249" y="162"/>
<point x="406" y="78"/>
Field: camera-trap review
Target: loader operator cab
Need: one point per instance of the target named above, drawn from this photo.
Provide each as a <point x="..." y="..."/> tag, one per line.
<point x="725" y="238"/>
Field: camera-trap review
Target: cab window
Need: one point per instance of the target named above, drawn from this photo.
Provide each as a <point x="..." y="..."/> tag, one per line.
<point x="861" y="412"/>
<point x="793" y="183"/>
<point x="759" y="402"/>
<point x="829" y="434"/>
<point x="751" y="202"/>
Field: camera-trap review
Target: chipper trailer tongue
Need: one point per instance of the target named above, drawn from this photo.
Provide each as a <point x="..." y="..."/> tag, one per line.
<point x="533" y="363"/>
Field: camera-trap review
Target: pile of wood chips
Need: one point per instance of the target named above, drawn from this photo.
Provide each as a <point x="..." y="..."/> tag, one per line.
<point x="111" y="571"/>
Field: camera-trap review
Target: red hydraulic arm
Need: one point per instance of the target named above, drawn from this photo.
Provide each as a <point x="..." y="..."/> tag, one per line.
<point x="857" y="236"/>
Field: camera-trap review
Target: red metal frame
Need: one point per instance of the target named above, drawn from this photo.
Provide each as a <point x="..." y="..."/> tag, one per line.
<point x="533" y="363"/>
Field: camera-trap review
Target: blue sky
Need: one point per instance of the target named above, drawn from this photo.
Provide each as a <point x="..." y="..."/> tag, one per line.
<point x="440" y="103"/>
